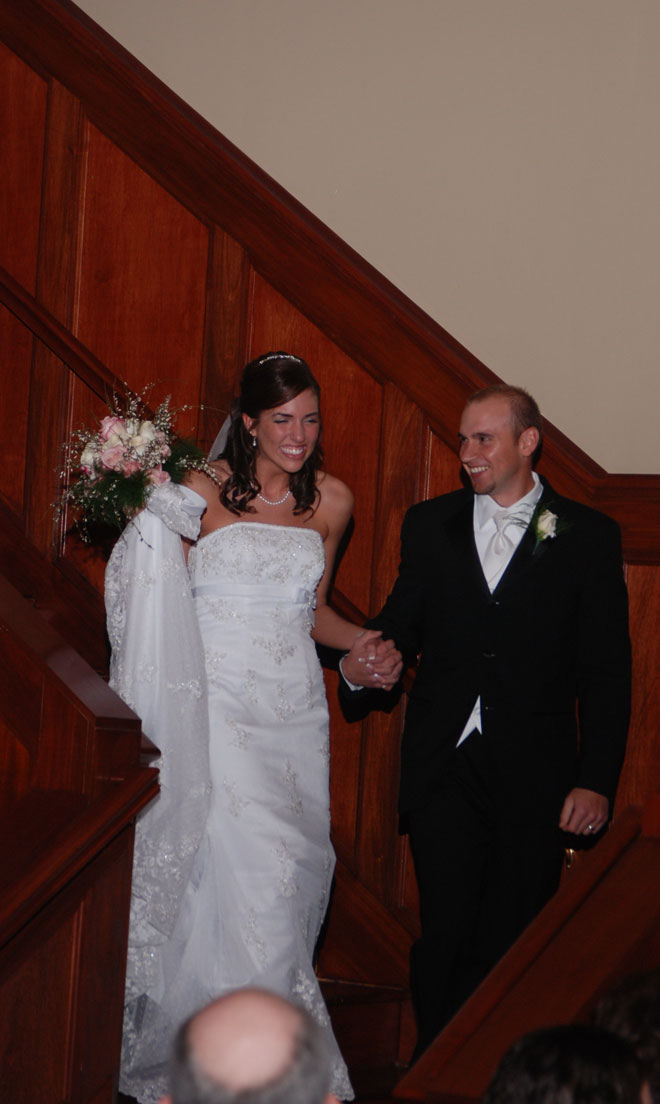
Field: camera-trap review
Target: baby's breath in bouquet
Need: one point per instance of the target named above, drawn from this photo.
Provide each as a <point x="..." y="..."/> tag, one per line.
<point x="111" y="471"/>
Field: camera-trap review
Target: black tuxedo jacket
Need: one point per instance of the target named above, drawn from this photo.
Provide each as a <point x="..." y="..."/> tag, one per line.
<point x="548" y="652"/>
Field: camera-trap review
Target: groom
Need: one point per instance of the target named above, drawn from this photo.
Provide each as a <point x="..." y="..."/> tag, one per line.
<point x="514" y="600"/>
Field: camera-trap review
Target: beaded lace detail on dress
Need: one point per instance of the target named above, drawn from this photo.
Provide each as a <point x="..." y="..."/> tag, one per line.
<point x="237" y="895"/>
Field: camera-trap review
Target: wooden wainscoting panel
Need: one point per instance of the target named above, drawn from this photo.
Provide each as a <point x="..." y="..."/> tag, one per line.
<point x="86" y="410"/>
<point x="401" y="463"/>
<point x="99" y="1010"/>
<point x="64" y="761"/>
<point x="59" y="242"/>
<point x="37" y="981"/>
<point x="444" y="467"/>
<point x="142" y="282"/>
<point x="641" y="768"/>
<point x="22" y="125"/>
<point x="345" y="774"/>
<point x="633" y="501"/>
<point x="61" y="1007"/>
<point x="21" y="690"/>
<point x="225" y="332"/>
<point x="65" y="172"/>
<point x="15" y="356"/>
<point x="47" y="424"/>
<point x="63" y="599"/>
<point x="14" y="767"/>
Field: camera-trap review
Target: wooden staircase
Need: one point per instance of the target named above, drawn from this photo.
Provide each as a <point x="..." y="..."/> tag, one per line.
<point x="138" y="244"/>
<point x="374" y="1028"/>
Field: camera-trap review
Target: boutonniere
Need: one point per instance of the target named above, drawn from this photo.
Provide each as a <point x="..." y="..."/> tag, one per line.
<point x="546" y="524"/>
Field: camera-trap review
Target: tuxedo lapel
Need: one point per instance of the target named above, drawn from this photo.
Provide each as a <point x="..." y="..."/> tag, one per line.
<point x="460" y="534"/>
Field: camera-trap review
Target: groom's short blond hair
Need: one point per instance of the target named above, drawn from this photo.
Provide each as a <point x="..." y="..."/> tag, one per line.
<point x="524" y="407"/>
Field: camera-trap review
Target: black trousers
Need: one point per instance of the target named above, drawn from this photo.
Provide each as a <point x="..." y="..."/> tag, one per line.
<point x="484" y="871"/>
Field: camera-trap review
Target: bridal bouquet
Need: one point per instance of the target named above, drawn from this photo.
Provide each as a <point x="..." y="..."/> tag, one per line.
<point x="110" y="471"/>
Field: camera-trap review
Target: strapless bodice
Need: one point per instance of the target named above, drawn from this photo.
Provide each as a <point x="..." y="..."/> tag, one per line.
<point x="256" y="560"/>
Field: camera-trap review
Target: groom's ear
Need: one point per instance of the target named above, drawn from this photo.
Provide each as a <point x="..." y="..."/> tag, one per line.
<point x="528" y="440"/>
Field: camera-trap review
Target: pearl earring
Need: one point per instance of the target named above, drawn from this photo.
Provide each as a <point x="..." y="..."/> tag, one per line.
<point x="254" y="440"/>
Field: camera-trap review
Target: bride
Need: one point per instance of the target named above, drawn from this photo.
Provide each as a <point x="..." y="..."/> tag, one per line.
<point x="231" y="879"/>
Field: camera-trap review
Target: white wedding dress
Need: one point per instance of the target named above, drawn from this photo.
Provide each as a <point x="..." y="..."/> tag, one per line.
<point x="233" y="890"/>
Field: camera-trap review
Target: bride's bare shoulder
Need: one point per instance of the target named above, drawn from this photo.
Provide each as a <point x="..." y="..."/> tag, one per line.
<point x="207" y="485"/>
<point x="336" y="496"/>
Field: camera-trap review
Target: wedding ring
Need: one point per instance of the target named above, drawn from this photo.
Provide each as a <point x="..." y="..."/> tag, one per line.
<point x="590" y="827"/>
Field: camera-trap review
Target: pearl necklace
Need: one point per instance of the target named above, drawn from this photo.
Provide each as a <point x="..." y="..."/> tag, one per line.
<point x="269" y="502"/>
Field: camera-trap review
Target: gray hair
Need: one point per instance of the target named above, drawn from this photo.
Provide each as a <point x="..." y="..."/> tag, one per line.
<point x="306" y="1079"/>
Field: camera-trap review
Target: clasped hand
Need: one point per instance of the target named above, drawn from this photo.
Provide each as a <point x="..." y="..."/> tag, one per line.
<point x="372" y="662"/>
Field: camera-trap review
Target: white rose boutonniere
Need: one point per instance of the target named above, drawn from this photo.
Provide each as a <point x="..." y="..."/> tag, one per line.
<point x="546" y="524"/>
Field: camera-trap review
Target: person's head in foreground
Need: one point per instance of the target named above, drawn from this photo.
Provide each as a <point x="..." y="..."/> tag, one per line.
<point x="632" y="1009"/>
<point x="572" y="1064"/>
<point x="250" y="1047"/>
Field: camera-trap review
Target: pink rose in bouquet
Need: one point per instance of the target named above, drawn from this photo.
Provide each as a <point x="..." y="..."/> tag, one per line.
<point x="157" y="476"/>
<point x="113" y="425"/>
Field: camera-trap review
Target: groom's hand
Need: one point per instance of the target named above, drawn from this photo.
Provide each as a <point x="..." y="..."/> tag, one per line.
<point x="372" y="662"/>
<point x="584" y="812"/>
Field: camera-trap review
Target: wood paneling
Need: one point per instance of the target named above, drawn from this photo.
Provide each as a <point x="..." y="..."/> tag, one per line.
<point x="382" y="852"/>
<point x="47" y="423"/>
<point x="63" y="972"/>
<point x="142" y="283"/>
<point x="32" y="1059"/>
<point x="14" y="767"/>
<point x="142" y="245"/>
<point x="65" y="170"/>
<point x="443" y="470"/>
<point x="15" y="354"/>
<point x="22" y="126"/>
<point x="227" y="300"/>
<point x="345" y="767"/>
<point x="641" y="770"/>
<point x="66" y="841"/>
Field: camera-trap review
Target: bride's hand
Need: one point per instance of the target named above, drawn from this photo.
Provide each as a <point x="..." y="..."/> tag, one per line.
<point x="372" y="662"/>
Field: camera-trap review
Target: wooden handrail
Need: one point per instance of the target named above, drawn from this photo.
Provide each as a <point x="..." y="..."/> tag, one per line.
<point x="74" y="781"/>
<point x="58" y="338"/>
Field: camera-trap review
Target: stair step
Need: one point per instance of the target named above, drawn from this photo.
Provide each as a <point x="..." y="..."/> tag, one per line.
<point x="356" y="992"/>
<point x="375" y="1031"/>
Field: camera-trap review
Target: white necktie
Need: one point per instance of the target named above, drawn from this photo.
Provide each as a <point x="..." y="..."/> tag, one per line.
<point x="500" y="547"/>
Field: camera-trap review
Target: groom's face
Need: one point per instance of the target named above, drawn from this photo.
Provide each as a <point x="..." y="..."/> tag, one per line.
<point x="496" y="463"/>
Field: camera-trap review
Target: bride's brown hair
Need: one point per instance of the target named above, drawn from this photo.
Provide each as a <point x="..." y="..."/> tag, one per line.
<point x="268" y="381"/>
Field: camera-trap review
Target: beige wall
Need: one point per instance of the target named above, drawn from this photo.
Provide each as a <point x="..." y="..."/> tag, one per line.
<point x="498" y="160"/>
